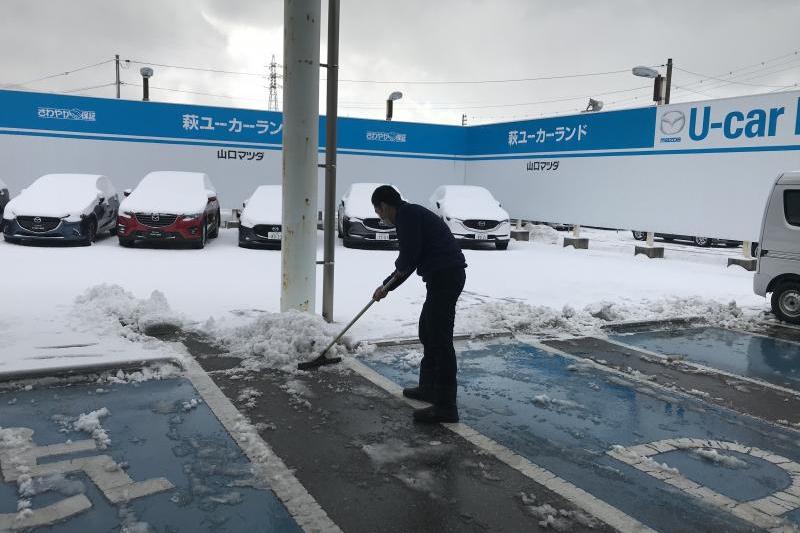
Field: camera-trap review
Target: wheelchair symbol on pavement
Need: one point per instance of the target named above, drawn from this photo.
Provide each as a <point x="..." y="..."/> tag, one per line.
<point x="18" y="462"/>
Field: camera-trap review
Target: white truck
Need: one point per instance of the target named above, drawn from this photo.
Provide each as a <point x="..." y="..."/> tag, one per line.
<point x="778" y="269"/>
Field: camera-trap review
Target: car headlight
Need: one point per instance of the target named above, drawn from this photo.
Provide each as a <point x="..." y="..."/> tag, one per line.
<point x="193" y="216"/>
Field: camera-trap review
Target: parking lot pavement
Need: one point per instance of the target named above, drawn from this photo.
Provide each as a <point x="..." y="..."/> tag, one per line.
<point x="670" y="460"/>
<point x="354" y="448"/>
<point x="80" y="456"/>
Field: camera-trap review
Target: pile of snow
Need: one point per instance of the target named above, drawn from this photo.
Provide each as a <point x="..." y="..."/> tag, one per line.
<point x="560" y="520"/>
<point x="543" y="400"/>
<point x="90" y="423"/>
<point x="517" y="316"/>
<point x="713" y="456"/>
<point x="543" y="233"/>
<point x="110" y="309"/>
<point x="276" y="340"/>
<point x="621" y="451"/>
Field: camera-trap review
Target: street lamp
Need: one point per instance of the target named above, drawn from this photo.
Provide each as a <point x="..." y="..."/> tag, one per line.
<point x="593" y="105"/>
<point x="146" y="73"/>
<point x="397" y="95"/>
<point x="661" y="87"/>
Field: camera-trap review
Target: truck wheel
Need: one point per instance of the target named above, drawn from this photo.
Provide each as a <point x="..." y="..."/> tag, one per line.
<point x="639" y="235"/>
<point x="786" y="301"/>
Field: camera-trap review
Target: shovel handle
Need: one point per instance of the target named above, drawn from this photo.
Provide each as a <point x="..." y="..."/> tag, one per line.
<point x="364" y="310"/>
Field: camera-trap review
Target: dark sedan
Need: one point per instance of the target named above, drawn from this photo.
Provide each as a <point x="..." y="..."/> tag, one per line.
<point x="62" y="208"/>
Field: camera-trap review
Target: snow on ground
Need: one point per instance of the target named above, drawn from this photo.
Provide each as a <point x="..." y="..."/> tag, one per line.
<point x="67" y="306"/>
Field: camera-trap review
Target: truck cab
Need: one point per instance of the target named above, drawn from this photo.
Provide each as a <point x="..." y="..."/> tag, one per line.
<point x="778" y="270"/>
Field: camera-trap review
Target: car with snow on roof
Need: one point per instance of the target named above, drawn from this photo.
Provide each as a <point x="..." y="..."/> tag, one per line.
<point x="260" y="220"/>
<point x="472" y="214"/>
<point x="357" y="221"/>
<point x="170" y="206"/>
<point x="62" y="208"/>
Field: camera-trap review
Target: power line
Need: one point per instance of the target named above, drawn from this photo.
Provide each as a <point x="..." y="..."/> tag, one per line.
<point x="66" y="73"/>
<point x="472" y="82"/>
<point x="187" y="91"/>
<point x="88" y="88"/>
<point x="707" y="77"/>
<point x="202" y="69"/>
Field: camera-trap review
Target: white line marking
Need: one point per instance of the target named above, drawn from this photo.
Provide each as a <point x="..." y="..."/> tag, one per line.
<point x="577" y="496"/>
<point x="308" y="514"/>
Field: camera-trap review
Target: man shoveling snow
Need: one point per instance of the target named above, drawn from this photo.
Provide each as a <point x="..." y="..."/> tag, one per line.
<point x="427" y="246"/>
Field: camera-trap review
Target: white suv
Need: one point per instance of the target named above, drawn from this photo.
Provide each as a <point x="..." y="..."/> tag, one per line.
<point x="472" y="214"/>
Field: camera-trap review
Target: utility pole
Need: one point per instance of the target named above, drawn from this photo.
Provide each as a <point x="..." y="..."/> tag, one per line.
<point x="331" y="117"/>
<point x="669" y="80"/>
<point x="272" y="102"/>
<point x="301" y="38"/>
<point x="116" y="63"/>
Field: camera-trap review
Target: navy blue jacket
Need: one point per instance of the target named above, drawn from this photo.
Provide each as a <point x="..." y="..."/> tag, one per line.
<point x="426" y="244"/>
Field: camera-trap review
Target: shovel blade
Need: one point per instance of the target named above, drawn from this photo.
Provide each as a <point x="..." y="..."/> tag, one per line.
<point x="322" y="360"/>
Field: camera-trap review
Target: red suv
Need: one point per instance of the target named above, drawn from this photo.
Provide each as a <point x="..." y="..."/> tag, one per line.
<point x="170" y="206"/>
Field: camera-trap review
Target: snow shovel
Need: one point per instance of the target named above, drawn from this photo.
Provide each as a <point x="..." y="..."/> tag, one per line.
<point x="321" y="360"/>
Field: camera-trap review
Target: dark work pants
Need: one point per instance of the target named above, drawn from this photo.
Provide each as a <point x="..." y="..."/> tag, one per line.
<point x="437" y="369"/>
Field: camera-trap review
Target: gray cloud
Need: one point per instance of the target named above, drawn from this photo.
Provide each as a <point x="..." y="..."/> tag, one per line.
<point x="411" y="40"/>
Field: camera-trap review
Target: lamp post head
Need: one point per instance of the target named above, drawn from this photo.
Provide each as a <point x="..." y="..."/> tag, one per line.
<point x="645" y="72"/>
<point x="397" y="95"/>
<point x="146" y="72"/>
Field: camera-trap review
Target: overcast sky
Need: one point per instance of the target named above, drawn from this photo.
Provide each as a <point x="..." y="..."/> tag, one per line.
<point x="750" y="42"/>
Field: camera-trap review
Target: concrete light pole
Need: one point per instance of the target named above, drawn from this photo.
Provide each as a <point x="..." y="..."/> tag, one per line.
<point x="301" y="38"/>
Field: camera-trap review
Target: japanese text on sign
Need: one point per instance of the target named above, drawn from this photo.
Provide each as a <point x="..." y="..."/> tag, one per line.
<point x="234" y="125"/>
<point x="560" y="134"/>
<point x="534" y="166"/>
<point x="240" y="154"/>
<point x="385" y="136"/>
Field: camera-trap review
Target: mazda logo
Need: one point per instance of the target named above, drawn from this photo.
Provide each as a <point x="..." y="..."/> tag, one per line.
<point x="672" y="122"/>
<point x="37" y="220"/>
<point x="481" y="223"/>
<point x="155" y="218"/>
<point x="276" y="228"/>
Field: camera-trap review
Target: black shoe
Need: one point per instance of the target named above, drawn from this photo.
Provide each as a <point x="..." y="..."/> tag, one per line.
<point x="420" y="393"/>
<point x="436" y="413"/>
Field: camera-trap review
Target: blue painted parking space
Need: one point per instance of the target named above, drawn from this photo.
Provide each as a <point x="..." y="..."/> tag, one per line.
<point x="670" y="461"/>
<point x="772" y="360"/>
<point x="132" y="457"/>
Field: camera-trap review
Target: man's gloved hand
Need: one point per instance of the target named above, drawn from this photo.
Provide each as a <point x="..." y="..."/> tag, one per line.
<point x="379" y="294"/>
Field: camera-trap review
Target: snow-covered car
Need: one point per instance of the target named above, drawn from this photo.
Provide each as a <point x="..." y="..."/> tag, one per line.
<point x="261" y="218"/>
<point x="357" y="221"/>
<point x="472" y="214"/>
<point x="62" y="207"/>
<point x="170" y="206"/>
<point x="4" y="197"/>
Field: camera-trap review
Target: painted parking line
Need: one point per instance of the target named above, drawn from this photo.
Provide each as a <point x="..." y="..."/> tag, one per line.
<point x="739" y="353"/>
<point x="581" y="499"/>
<point x="89" y="457"/>
<point x="565" y="416"/>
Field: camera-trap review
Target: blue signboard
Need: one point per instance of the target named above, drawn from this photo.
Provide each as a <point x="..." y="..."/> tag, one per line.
<point x="632" y="128"/>
<point x="52" y="114"/>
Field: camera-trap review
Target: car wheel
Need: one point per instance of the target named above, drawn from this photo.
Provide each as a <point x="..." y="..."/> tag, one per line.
<point x="201" y="242"/>
<point x="639" y="235"/>
<point x="705" y="242"/>
<point x="501" y="245"/>
<point x="91" y="233"/>
<point x="215" y="232"/>
<point x="786" y="301"/>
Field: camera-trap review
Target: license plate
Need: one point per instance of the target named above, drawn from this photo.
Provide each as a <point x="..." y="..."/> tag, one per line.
<point x="481" y="237"/>
<point x="381" y="236"/>
<point x="274" y="235"/>
<point x="155" y="234"/>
